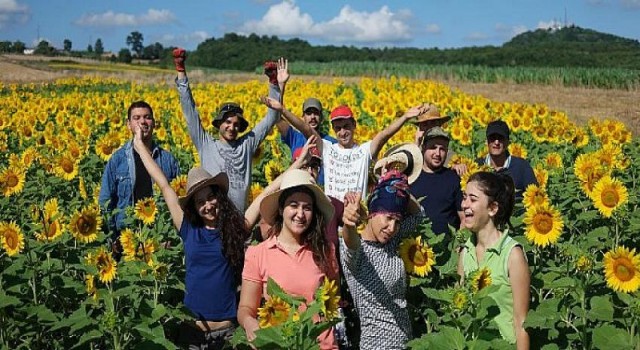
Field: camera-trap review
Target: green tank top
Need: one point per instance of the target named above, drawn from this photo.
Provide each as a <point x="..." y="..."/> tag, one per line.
<point x="496" y="259"/>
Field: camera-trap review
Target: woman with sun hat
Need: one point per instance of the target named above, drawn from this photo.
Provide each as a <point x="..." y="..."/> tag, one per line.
<point x="297" y="254"/>
<point x="214" y="250"/>
<point x="487" y="205"/>
<point x="373" y="269"/>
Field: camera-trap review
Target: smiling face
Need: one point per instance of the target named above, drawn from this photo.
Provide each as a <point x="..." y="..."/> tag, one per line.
<point x="312" y="117"/>
<point x="297" y="213"/>
<point x="384" y="226"/>
<point x="230" y="127"/>
<point x="142" y="116"/>
<point x="497" y="144"/>
<point x="435" y="153"/>
<point x="478" y="211"/>
<point x="206" y="204"/>
<point x="343" y="129"/>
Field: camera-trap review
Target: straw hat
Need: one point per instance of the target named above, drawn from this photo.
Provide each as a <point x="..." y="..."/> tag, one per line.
<point x="432" y="113"/>
<point x="290" y="179"/>
<point x="199" y="178"/>
<point x="407" y="155"/>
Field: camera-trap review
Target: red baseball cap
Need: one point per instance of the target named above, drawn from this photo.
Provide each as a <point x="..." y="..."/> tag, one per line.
<point x="341" y="112"/>
<point x="313" y="151"/>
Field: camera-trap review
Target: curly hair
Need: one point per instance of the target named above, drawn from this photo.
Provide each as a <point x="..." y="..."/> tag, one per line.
<point x="232" y="233"/>
<point x="314" y="236"/>
<point x="499" y="188"/>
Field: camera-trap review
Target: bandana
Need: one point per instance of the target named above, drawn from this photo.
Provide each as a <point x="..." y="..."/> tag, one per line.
<point x="391" y="194"/>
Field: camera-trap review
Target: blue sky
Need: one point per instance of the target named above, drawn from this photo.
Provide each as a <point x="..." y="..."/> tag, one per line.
<point x="372" y="23"/>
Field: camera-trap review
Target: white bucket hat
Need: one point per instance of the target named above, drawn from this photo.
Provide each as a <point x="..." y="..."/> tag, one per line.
<point x="295" y="178"/>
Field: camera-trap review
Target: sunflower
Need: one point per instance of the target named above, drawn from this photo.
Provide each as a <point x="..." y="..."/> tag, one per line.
<point x="255" y="191"/>
<point x="50" y="220"/>
<point x="544" y="224"/>
<point x="128" y="243"/>
<point x="584" y="264"/>
<point x="11" y="237"/>
<point x="146" y="250"/>
<point x="11" y="181"/>
<point x="104" y="263"/>
<point x="146" y="210"/>
<point x="106" y="145"/>
<point x="328" y="295"/>
<point x="553" y="160"/>
<point x="82" y="188"/>
<point x="517" y="150"/>
<point x="65" y="166"/>
<point x="418" y="257"/>
<point x="274" y="312"/>
<point x="542" y="176"/>
<point x="534" y="196"/>
<point x="622" y="269"/>
<point x="608" y="195"/>
<point x="90" y="284"/>
<point x="459" y="300"/>
<point x="481" y="279"/>
<point x="272" y="170"/>
<point x="85" y="224"/>
<point x="179" y="185"/>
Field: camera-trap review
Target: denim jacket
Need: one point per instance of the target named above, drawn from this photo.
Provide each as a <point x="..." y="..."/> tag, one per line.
<point x="119" y="178"/>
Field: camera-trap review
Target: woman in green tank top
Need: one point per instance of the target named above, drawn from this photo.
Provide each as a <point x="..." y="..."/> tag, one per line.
<point x="487" y="205"/>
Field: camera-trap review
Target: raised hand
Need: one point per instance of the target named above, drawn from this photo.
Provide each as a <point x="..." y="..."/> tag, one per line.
<point x="416" y="110"/>
<point x="138" y="144"/>
<point x="179" y="58"/>
<point x="272" y="103"/>
<point x="351" y="214"/>
<point x="283" y="70"/>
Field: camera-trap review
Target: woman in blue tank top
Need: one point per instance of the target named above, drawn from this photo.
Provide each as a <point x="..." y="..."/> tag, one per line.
<point x="213" y="238"/>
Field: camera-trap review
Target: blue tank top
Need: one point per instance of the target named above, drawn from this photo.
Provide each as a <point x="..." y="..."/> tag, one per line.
<point x="210" y="287"/>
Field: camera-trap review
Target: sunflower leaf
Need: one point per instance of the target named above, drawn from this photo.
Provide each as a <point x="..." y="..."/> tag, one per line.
<point x="610" y="337"/>
<point x="601" y="309"/>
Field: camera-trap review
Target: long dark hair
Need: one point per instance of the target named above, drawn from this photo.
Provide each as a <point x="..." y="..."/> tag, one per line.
<point x="231" y="225"/>
<point x="499" y="188"/>
<point x="314" y="236"/>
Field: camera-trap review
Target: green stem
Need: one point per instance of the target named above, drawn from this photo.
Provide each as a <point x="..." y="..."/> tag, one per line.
<point x="584" y="335"/>
<point x="32" y="280"/>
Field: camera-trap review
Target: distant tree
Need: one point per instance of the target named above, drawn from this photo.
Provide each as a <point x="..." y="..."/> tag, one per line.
<point x="44" y="48"/>
<point x="67" y="45"/>
<point x="153" y="52"/>
<point x="6" y="46"/>
<point x="90" y="49"/>
<point x="98" y="47"/>
<point x="19" y="46"/>
<point x="135" y="41"/>
<point x="124" y="56"/>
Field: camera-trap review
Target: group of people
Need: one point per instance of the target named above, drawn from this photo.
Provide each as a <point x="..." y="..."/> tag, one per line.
<point x="310" y="220"/>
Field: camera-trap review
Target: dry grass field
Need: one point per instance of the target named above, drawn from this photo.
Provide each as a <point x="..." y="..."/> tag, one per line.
<point x="579" y="103"/>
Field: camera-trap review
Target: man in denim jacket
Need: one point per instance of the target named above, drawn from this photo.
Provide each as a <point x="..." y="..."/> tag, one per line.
<point x="125" y="179"/>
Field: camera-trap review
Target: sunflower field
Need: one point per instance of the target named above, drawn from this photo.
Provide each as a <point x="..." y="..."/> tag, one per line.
<point x="60" y="288"/>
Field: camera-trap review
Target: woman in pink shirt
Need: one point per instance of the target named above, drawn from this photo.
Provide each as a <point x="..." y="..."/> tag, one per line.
<point x="296" y="255"/>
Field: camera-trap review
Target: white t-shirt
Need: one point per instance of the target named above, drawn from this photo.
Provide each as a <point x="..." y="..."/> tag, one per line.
<point x="345" y="170"/>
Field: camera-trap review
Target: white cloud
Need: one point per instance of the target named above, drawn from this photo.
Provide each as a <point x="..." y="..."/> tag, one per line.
<point x="112" y="19"/>
<point x="630" y="4"/>
<point x="185" y="40"/>
<point x="552" y="24"/>
<point x="13" y="12"/>
<point x="507" y="32"/>
<point x="349" y="26"/>
<point x="433" y="29"/>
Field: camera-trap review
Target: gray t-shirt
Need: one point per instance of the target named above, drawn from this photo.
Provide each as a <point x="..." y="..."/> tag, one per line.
<point x="377" y="280"/>
<point x="233" y="158"/>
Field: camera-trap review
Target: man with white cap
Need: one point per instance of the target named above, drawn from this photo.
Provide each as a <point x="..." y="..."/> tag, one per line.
<point x="437" y="188"/>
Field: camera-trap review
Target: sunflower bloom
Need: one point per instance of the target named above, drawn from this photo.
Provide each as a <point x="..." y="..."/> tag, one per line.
<point x="179" y="185"/>
<point x="534" y="196"/>
<point x="254" y="191"/>
<point x="481" y="279"/>
<point x="584" y="264"/>
<point x="417" y="256"/>
<point x="50" y="220"/>
<point x="12" y="181"/>
<point x="128" y="243"/>
<point x="272" y="170"/>
<point x="90" y="284"/>
<point x="544" y="224"/>
<point x="608" y="195"/>
<point x="542" y="176"/>
<point x="104" y="263"/>
<point x="622" y="270"/>
<point x="518" y="150"/>
<point x="553" y="160"/>
<point x="66" y="166"/>
<point x="459" y="300"/>
<point x="11" y="238"/>
<point x="328" y="295"/>
<point x="84" y="224"/>
<point x="274" y="312"/>
<point x="146" y="210"/>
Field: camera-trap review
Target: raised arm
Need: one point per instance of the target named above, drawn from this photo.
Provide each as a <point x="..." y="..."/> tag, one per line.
<point x="520" y="281"/>
<point x="350" y="219"/>
<point x="197" y="133"/>
<point x="383" y="136"/>
<point x="170" y="196"/>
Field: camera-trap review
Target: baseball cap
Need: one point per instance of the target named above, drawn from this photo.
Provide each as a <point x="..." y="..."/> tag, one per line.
<point x="313" y="152"/>
<point x="312" y="103"/>
<point x="341" y="112"/>
<point x="434" y="132"/>
<point x="498" y="127"/>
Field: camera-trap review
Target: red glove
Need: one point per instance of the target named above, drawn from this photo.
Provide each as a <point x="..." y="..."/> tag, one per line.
<point x="271" y="70"/>
<point x="179" y="56"/>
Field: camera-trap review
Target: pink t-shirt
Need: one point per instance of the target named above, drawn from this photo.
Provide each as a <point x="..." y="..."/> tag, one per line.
<point x="297" y="275"/>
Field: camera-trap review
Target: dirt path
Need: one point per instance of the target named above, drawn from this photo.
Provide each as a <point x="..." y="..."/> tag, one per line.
<point x="579" y="103"/>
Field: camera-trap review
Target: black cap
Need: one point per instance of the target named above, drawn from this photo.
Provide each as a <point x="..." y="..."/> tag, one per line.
<point x="230" y="107"/>
<point x="498" y="127"/>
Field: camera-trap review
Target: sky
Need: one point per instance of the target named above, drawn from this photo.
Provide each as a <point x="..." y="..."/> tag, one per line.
<point x="361" y="23"/>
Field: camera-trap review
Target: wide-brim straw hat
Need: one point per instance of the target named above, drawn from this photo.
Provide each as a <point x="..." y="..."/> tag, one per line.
<point x="199" y="178"/>
<point x="432" y="113"/>
<point x="406" y="154"/>
<point x="291" y="179"/>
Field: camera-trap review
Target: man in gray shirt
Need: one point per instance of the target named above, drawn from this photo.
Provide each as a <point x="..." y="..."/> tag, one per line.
<point x="229" y="153"/>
